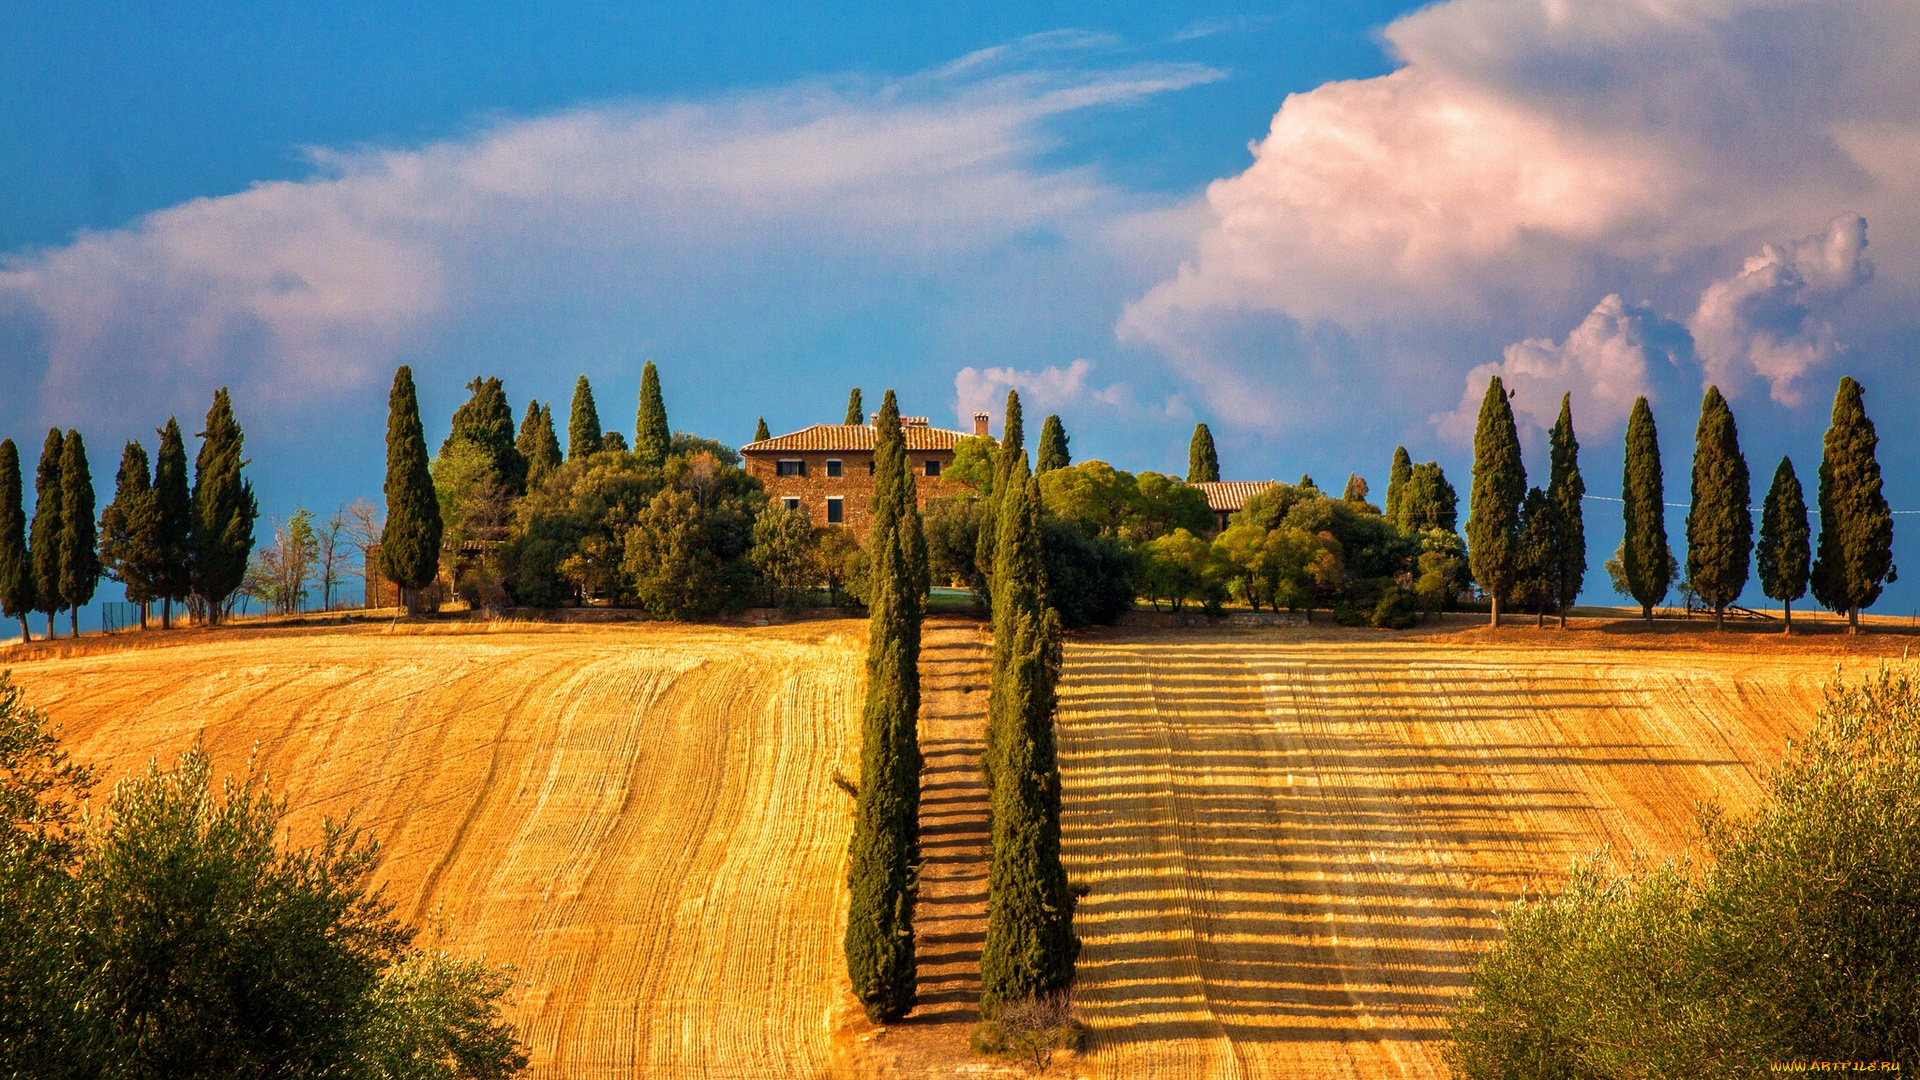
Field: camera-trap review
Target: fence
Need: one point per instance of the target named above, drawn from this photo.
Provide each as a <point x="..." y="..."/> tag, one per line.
<point x="118" y="615"/>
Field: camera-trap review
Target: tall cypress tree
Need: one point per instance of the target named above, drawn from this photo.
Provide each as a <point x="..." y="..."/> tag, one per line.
<point x="1429" y="501"/>
<point x="1493" y="508"/>
<point x="79" y="551"/>
<point x="174" y="580"/>
<point x="1719" y="523"/>
<point x="1052" y="453"/>
<point x="1784" y="556"/>
<point x="17" y="594"/>
<point x="224" y="509"/>
<point x="1644" y="556"/>
<point x="537" y="444"/>
<point x="49" y="525"/>
<point x="485" y="422"/>
<point x="856" y="410"/>
<point x="1567" y="569"/>
<point x="1203" y="463"/>
<point x="1856" y="528"/>
<point x="1013" y="442"/>
<point x="1397" y="478"/>
<point x="760" y="432"/>
<point x="410" y="543"/>
<point x="583" y="423"/>
<point x="885" y="848"/>
<point x="130" y="530"/>
<point x="652" y="438"/>
<point x="1030" y="946"/>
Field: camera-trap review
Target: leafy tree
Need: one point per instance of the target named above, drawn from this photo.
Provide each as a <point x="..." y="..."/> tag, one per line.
<point x="1397" y="479"/>
<point x="614" y="442"/>
<point x="760" y="432"/>
<point x="652" y="438"/>
<point x="17" y="593"/>
<point x="1856" y="529"/>
<point x="1567" y="563"/>
<point x="174" y="580"/>
<point x="1719" y="524"/>
<point x="1356" y="490"/>
<point x="856" y="411"/>
<point x="688" y="446"/>
<point x="538" y="445"/>
<point x="953" y="530"/>
<point x="583" y="423"/>
<point x="1783" y="550"/>
<point x="783" y="552"/>
<point x="1013" y="441"/>
<point x="1203" y="462"/>
<point x="130" y="545"/>
<point x="1645" y="562"/>
<point x="1178" y="567"/>
<point x="485" y="423"/>
<point x="1030" y="946"/>
<point x="49" y="526"/>
<point x="1499" y="485"/>
<point x="1089" y="578"/>
<point x="884" y="853"/>
<point x="667" y="558"/>
<point x="224" y="509"/>
<point x="410" y="542"/>
<point x="973" y="463"/>
<point x="1440" y="570"/>
<point x="1052" y="453"/>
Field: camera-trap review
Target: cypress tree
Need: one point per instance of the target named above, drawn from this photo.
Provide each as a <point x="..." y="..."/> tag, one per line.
<point x="1567" y="569"/>
<point x="760" y="432"/>
<point x="17" y="594"/>
<point x="1644" y="557"/>
<point x="1203" y="463"/>
<point x="49" y="524"/>
<point x="1429" y="501"/>
<point x="856" y="411"/>
<point x="485" y="422"/>
<point x="1533" y="564"/>
<point x="410" y="543"/>
<point x="1052" y="453"/>
<point x="583" y="424"/>
<point x="174" y="579"/>
<point x="130" y="530"/>
<point x="223" y="509"/>
<point x="1856" y="529"/>
<point x="537" y="444"/>
<point x="652" y="438"/>
<point x="1013" y="441"/>
<point x="1784" y="555"/>
<point x="1719" y="523"/>
<point x="1397" y="479"/>
<point x="79" y="551"/>
<point x="1493" y="510"/>
<point x="1030" y="946"/>
<point x="885" y="848"/>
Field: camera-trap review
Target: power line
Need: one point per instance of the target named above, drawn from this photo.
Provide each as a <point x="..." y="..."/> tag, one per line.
<point x="1750" y="509"/>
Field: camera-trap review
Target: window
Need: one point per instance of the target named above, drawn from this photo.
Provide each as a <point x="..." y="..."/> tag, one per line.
<point x="790" y="503"/>
<point x="933" y="466"/>
<point x="833" y="466"/>
<point x="836" y="510"/>
<point x="869" y="466"/>
<point x="790" y="468"/>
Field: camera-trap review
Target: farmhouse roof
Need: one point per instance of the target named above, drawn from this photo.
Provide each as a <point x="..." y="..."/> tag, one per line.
<point x="1231" y="495"/>
<point x="853" y="437"/>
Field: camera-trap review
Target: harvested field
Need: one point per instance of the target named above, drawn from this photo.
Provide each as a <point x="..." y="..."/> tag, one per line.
<point x="640" y="819"/>
<point x="1297" y="842"/>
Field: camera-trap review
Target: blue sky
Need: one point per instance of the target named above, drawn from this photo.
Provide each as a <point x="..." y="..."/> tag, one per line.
<point x="1319" y="228"/>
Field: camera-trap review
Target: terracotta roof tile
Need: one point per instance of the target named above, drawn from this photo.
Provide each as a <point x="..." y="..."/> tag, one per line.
<point x="1231" y="495"/>
<point x="853" y="437"/>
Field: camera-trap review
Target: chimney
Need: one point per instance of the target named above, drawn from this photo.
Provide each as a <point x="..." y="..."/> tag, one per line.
<point x="979" y="423"/>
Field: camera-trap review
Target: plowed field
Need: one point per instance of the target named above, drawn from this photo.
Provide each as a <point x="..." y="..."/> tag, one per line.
<point x="1296" y="840"/>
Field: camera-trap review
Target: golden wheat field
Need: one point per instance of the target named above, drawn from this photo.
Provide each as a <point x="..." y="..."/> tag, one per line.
<point x="1295" y="840"/>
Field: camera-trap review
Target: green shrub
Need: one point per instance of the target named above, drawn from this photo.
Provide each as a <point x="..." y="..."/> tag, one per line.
<point x="1031" y="1031"/>
<point x="1792" y="937"/>
<point x="1397" y="609"/>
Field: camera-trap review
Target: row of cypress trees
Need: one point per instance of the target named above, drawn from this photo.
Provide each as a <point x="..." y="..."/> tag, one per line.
<point x="1855" y="553"/>
<point x="159" y="538"/>
<point x="652" y="438"/>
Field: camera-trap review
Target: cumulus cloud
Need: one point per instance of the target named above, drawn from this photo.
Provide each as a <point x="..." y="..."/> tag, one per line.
<point x="1618" y="352"/>
<point x="1771" y="319"/>
<point x="1529" y="157"/>
<point x="295" y="290"/>
<point x="985" y="390"/>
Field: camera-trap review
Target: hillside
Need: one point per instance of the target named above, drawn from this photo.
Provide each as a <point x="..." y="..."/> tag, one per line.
<point x="1295" y="840"/>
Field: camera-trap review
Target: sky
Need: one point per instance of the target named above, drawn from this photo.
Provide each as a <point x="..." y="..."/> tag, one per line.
<point x="1319" y="229"/>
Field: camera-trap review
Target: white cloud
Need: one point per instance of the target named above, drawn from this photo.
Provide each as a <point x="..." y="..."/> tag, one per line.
<point x="1617" y="353"/>
<point x="1771" y="319"/>
<point x="985" y="390"/>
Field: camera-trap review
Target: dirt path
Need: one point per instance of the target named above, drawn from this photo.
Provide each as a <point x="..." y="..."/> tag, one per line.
<point x="1296" y="845"/>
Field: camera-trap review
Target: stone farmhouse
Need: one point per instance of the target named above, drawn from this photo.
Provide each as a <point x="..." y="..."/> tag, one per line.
<point x="827" y="470"/>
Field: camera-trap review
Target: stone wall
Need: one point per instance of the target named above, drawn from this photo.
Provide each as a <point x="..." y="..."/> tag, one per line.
<point x="854" y="486"/>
